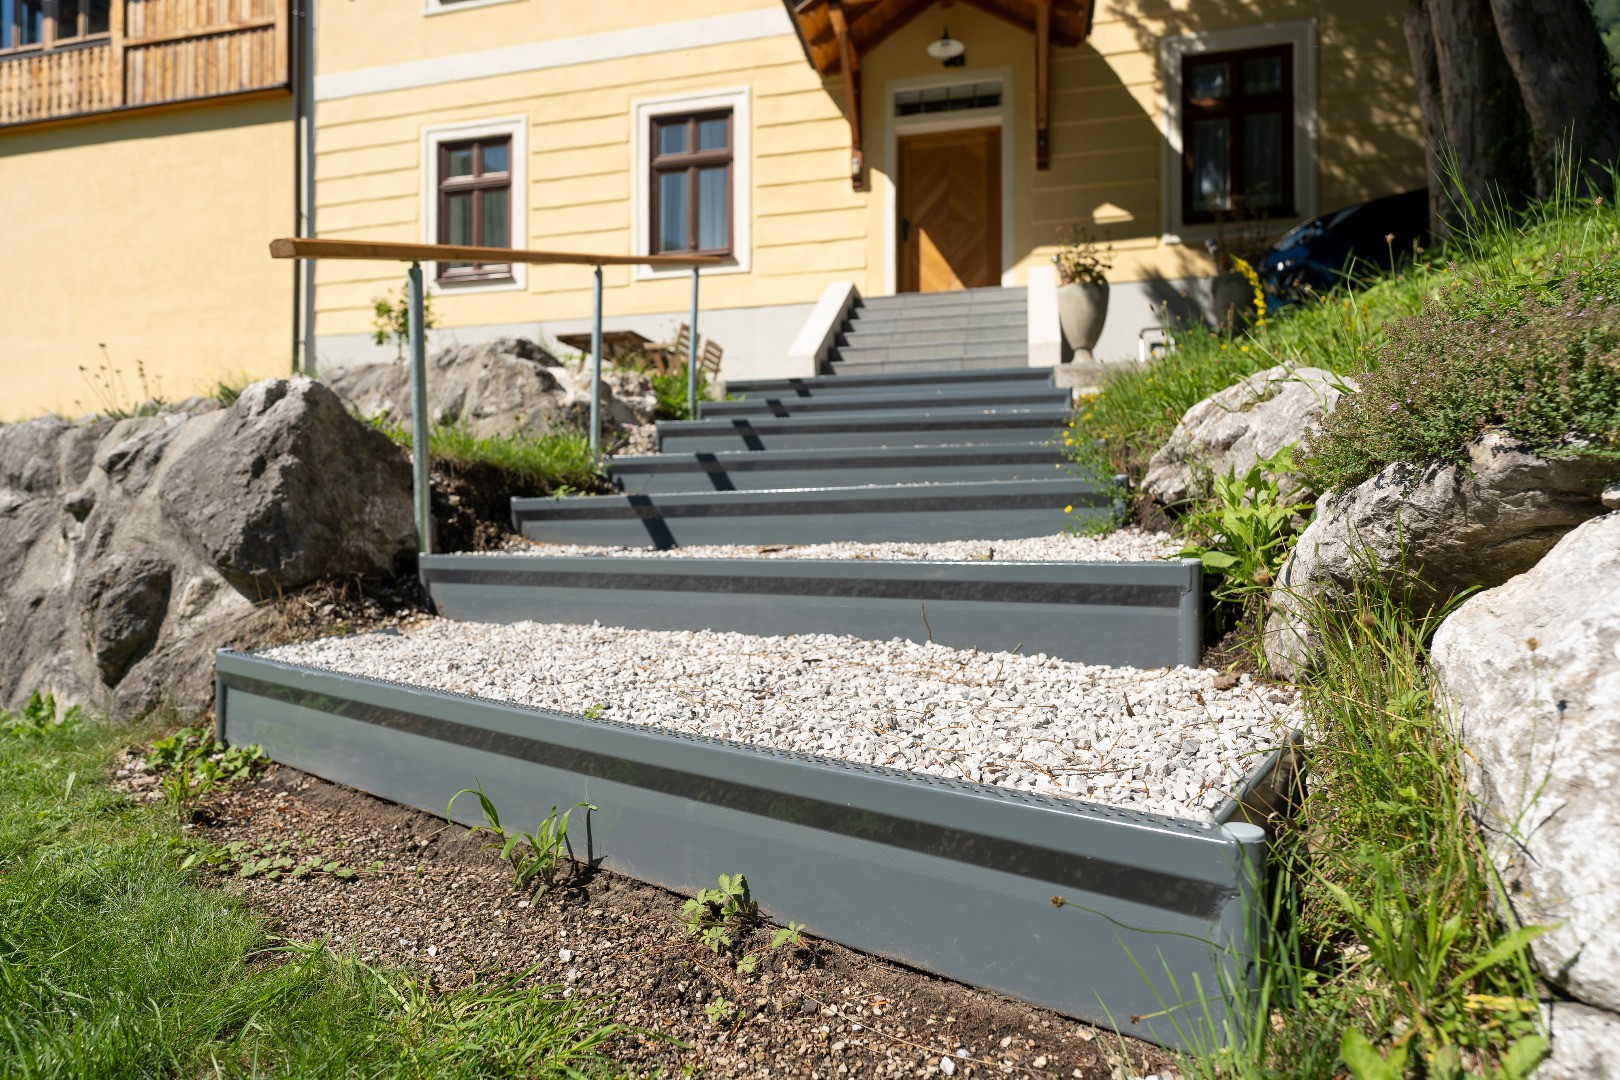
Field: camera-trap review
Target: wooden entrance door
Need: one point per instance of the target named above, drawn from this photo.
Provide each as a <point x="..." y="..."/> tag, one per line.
<point x="950" y="210"/>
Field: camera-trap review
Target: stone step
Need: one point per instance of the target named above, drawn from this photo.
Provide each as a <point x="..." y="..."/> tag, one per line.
<point x="890" y="427"/>
<point x="763" y="470"/>
<point x="1013" y="319"/>
<point x="847" y="368"/>
<point x="789" y="405"/>
<point x="943" y="383"/>
<point x="1143" y="614"/>
<point x="932" y="335"/>
<point x="965" y="298"/>
<point x="974" y="348"/>
<point x="899" y="512"/>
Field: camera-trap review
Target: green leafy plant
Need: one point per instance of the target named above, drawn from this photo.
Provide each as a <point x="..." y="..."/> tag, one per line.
<point x="38" y="717"/>
<point x="541" y="857"/>
<point x="1245" y="530"/>
<point x="719" y="1010"/>
<point x="272" y="861"/>
<point x="593" y="711"/>
<point x="719" y="917"/>
<point x="191" y="764"/>
<point x="391" y="319"/>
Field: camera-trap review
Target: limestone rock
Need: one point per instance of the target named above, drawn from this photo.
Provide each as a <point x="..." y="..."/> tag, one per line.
<point x="1585" y="1044"/>
<point x="499" y="387"/>
<point x="1476" y="524"/>
<point x="285" y="487"/>
<point x="1231" y="430"/>
<point x="1531" y="670"/>
<point x="124" y="603"/>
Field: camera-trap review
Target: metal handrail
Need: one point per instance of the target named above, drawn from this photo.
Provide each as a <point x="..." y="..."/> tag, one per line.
<point x="416" y="254"/>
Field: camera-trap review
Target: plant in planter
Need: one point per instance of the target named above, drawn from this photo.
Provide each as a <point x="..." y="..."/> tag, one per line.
<point x="1082" y="268"/>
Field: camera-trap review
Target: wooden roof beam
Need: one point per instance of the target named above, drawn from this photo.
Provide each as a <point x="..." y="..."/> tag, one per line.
<point x="1043" y="83"/>
<point x="847" y="61"/>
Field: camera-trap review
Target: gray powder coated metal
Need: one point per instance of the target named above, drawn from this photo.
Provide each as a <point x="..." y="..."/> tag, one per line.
<point x="983" y="396"/>
<point x="917" y="512"/>
<point x="951" y="877"/>
<point x="1122" y="614"/>
<point x="764" y="470"/>
<point x="888" y="427"/>
<point x="916" y="382"/>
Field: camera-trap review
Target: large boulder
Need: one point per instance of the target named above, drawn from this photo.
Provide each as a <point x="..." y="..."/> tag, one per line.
<point x="500" y="387"/>
<point x="130" y="550"/>
<point x="1231" y="430"/>
<point x="1585" y="1043"/>
<point x="287" y="488"/>
<point x="1456" y="526"/>
<point x="1531" y="671"/>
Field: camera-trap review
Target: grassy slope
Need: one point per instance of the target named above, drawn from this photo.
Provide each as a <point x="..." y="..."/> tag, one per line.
<point x="114" y="962"/>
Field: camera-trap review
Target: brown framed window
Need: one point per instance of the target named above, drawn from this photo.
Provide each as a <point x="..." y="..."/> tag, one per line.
<point x="26" y="24"/>
<point x="692" y="183"/>
<point x="1237" y="133"/>
<point x="475" y="202"/>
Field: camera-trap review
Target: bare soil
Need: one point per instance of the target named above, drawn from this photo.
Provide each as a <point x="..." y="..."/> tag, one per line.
<point x="443" y="904"/>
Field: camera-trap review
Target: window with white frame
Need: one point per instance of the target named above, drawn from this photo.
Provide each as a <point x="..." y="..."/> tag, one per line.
<point x="473" y="186"/>
<point x="1240" y="124"/>
<point x="690" y="173"/>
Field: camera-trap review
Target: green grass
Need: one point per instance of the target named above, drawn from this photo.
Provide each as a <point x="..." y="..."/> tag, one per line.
<point x="1505" y="260"/>
<point x="114" y="962"/>
<point x="558" y="462"/>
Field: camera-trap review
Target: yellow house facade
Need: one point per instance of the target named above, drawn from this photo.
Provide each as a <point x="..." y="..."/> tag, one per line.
<point x="146" y="153"/>
<point x="724" y="125"/>
<point x="149" y="149"/>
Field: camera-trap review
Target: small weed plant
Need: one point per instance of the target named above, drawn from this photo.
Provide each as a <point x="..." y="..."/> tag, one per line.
<point x="391" y="319"/>
<point x="39" y="717"/>
<point x="273" y="861"/>
<point x="190" y="764"/>
<point x="724" y="917"/>
<point x="540" y="859"/>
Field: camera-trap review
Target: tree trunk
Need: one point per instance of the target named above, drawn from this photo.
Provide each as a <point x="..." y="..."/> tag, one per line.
<point x="1486" y="137"/>
<point x="1557" y="58"/>
<point x="1426" y="70"/>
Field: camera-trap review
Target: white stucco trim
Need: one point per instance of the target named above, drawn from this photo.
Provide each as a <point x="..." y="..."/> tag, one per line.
<point x="514" y="127"/>
<point x="444" y="7"/>
<point x="642" y="112"/>
<point x="820" y="330"/>
<point x="1045" y="334"/>
<point x="772" y="21"/>
<point x="1302" y="35"/>
<point x="896" y="126"/>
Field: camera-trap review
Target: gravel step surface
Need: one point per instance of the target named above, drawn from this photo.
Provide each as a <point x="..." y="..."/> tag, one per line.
<point x="1164" y="740"/>
<point x="1122" y="545"/>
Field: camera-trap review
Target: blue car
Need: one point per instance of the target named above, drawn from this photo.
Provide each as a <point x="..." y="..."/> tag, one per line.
<point x="1316" y="255"/>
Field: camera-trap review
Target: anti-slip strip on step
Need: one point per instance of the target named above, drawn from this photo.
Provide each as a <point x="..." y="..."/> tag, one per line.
<point x="952" y="877"/>
<point x="918" y="381"/>
<point x="969" y="396"/>
<point x="757" y="470"/>
<point x="919" y="512"/>
<point x="1120" y="614"/>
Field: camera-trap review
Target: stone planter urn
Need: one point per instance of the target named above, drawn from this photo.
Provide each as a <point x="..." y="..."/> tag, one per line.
<point x="1231" y="300"/>
<point x="1082" y="310"/>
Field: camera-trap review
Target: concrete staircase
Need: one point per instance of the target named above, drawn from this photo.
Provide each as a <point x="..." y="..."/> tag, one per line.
<point x="972" y="330"/>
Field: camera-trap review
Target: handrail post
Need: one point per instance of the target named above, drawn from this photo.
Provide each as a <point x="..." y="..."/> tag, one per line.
<point x="596" y="372"/>
<point x="691" y="354"/>
<point x="421" y="491"/>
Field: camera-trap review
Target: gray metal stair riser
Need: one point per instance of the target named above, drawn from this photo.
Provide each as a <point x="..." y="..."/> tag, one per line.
<point x="764" y="471"/>
<point x="907" y="367"/>
<point x="784" y="435"/>
<point x="952" y="877"/>
<point x="792" y="406"/>
<point x="957" y="350"/>
<point x="919" y="382"/>
<point x="989" y="297"/>
<point x="1012" y="336"/>
<point x="1009" y="322"/>
<point x="922" y="513"/>
<point x="1121" y="614"/>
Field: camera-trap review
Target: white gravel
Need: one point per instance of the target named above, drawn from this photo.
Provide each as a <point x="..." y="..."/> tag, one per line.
<point x="1121" y="545"/>
<point x="1162" y="740"/>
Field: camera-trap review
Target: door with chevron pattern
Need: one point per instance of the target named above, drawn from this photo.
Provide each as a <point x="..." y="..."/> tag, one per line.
<point x="950" y="210"/>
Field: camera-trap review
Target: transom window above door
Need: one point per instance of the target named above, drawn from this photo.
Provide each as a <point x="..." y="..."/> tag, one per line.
<point x="475" y="202"/>
<point x="1237" y="136"/>
<point x="691" y="189"/>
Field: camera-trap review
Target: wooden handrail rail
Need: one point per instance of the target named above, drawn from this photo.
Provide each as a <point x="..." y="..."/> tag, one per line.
<point x="304" y="248"/>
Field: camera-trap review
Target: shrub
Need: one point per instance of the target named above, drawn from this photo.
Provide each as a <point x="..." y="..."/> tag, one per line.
<point x="671" y="390"/>
<point x="1544" y="365"/>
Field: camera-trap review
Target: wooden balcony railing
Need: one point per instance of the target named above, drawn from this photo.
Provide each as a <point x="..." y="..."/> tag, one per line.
<point x="158" y="52"/>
